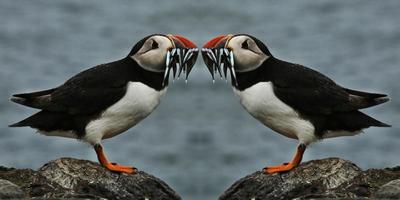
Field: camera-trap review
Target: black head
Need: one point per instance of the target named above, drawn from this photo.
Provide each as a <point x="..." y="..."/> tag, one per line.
<point x="238" y="53"/>
<point x="160" y="53"/>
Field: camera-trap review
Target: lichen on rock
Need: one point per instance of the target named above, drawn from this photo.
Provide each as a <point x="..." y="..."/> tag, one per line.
<point x="329" y="178"/>
<point x="73" y="178"/>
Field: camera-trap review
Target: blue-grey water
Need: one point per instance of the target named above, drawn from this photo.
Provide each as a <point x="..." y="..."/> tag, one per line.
<point x="199" y="140"/>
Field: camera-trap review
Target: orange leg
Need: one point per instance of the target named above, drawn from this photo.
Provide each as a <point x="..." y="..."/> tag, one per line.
<point x="288" y="166"/>
<point x="111" y="166"/>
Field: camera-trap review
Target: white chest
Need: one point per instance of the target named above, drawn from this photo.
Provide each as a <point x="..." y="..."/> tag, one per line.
<point x="139" y="101"/>
<point x="260" y="101"/>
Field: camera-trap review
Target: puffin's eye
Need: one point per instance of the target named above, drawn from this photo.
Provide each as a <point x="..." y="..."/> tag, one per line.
<point x="245" y="45"/>
<point x="154" y="45"/>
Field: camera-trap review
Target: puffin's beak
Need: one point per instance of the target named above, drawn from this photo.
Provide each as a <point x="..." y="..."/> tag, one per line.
<point x="219" y="58"/>
<point x="181" y="57"/>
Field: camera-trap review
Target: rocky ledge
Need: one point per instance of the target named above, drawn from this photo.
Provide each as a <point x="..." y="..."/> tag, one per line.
<point x="330" y="178"/>
<point x="68" y="178"/>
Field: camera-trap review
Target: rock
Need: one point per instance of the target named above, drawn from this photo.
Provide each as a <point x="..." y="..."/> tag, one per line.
<point x="329" y="178"/>
<point x="390" y="190"/>
<point x="9" y="190"/>
<point x="73" y="178"/>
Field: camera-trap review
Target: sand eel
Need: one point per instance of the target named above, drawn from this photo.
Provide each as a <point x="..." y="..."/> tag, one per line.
<point x="108" y="99"/>
<point x="291" y="99"/>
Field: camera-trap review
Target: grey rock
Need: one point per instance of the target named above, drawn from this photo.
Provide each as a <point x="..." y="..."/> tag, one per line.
<point x="390" y="190"/>
<point x="9" y="190"/>
<point x="330" y="178"/>
<point x="68" y="178"/>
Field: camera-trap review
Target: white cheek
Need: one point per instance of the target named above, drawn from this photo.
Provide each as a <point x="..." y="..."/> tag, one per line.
<point x="247" y="61"/>
<point x="152" y="60"/>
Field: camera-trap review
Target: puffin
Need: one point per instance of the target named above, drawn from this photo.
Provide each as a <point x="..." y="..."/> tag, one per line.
<point x="291" y="99"/>
<point x="108" y="99"/>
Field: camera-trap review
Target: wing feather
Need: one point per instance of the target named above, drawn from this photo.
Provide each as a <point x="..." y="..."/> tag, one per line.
<point x="88" y="92"/>
<point x="312" y="92"/>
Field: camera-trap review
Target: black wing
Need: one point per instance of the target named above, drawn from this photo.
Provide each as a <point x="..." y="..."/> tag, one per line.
<point x="88" y="92"/>
<point x="314" y="93"/>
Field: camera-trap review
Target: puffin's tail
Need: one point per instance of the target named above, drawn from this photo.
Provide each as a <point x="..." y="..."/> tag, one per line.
<point x="46" y="120"/>
<point x="26" y="122"/>
<point x="18" y="124"/>
<point x="354" y="121"/>
<point x="55" y="124"/>
<point x="366" y="99"/>
<point x="377" y="123"/>
<point x="35" y="99"/>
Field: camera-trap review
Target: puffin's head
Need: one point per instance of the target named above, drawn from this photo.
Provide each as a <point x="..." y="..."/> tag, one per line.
<point x="238" y="53"/>
<point x="161" y="53"/>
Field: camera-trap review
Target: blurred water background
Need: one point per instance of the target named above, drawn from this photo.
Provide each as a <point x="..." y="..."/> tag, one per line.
<point x="199" y="140"/>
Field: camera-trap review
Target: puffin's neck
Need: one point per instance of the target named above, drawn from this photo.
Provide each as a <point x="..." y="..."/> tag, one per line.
<point x="260" y="74"/>
<point x="137" y="73"/>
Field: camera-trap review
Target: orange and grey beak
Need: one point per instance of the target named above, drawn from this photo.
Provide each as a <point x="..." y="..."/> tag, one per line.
<point x="219" y="58"/>
<point x="181" y="57"/>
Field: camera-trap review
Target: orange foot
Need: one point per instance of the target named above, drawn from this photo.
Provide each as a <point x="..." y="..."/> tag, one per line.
<point x="279" y="168"/>
<point x="112" y="166"/>
<point x="120" y="168"/>
<point x="287" y="166"/>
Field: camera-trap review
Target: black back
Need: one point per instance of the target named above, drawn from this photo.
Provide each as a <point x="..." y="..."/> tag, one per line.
<point x="86" y="95"/>
<point x="313" y="95"/>
<point x="97" y="88"/>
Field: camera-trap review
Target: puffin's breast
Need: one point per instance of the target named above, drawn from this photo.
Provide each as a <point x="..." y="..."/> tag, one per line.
<point x="262" y="103"/>
<point x="137" y="103"/>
